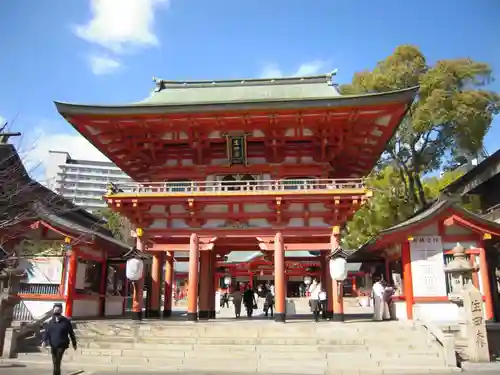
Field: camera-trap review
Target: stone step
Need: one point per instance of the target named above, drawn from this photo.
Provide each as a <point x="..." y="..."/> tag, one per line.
<point x="268" y="365"/>
<point x="152" y="343"/>
<point x="321" y="354"/>
<point x="330" y="359"/>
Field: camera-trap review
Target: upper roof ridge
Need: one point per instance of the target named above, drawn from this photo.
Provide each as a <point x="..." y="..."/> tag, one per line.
<point x="162" y="84"/>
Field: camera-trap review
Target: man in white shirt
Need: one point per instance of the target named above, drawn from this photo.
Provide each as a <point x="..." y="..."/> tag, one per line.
<point x="314" y="291"/>
<point x="379" y="303"/>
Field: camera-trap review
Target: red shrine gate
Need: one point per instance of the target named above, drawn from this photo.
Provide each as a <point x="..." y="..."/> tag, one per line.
<point x="269" y="165"/>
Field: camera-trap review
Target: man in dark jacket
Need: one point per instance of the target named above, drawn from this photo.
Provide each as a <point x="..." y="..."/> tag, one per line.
<point x="57" y="334"/>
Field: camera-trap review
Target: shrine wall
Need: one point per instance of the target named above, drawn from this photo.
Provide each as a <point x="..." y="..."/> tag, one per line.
<point x="429" y="280"/>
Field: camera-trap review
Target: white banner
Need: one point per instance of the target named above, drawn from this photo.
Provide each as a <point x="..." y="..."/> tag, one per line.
<point x="427" y="266"/>
<point x="44" y="270"/>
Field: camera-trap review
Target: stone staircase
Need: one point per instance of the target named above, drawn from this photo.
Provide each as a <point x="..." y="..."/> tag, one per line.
<point x="252" y="346"/>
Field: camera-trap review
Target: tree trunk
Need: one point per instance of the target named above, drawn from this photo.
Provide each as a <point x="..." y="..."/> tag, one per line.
<point x="413" y="198"/>
<point x="420" y="190"/>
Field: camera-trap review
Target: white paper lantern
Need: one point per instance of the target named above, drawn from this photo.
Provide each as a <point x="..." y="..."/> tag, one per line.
<point x="227" y="280"/>
<point x="307" y="280"/>
<point x="338" y="269"/>
<point x="134" y="270"/>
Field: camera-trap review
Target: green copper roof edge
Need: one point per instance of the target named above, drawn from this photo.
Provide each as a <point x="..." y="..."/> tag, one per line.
<point x="320" y="78"/>
<point x="407" y="95"/>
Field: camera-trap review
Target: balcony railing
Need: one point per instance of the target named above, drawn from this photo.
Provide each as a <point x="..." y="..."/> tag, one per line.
<point x="492" y="213"/>
<point x="321" y="186"/>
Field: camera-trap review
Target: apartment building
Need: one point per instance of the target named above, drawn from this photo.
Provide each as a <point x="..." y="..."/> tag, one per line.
<point x="81" y="181"/>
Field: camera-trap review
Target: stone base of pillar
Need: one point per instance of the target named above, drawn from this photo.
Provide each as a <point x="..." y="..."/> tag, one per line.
<point x="192" y="317"/>
<point x="167" y="313"/>
<point x="204" y="314"/>
<point x="154" y="314"/>
<point x="136" y="315"/>
<point x="338" y="317"/>
<point x="279" y="317"/>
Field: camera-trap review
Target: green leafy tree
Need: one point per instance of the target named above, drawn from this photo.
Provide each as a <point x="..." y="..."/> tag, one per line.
<point x="117" y="224"/>
<point x="390" y="205"/>
<point x="450" y="117"/>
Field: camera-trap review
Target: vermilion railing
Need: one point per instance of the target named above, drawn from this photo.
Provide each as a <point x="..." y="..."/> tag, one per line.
<point x="246" y="187"/>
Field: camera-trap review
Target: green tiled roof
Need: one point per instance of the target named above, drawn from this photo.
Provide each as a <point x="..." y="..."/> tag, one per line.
<point x="251" y="90"/>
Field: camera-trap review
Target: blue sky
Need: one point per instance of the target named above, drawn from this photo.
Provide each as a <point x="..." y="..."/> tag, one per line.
<point x="106" y="51"/>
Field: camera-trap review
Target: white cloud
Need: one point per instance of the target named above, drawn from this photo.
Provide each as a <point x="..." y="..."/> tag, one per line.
<point x="310" y="68"/>
<point x="34" y="150"/>
<point x="306" y="69"/>
<point x="101" y="65"/>
<point x="119" y="25"/>
<point x="271" y="71"/>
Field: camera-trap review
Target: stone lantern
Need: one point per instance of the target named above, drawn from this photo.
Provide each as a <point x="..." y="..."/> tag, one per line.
<point x="460" y="270"/>
<point x="10" y="282"/>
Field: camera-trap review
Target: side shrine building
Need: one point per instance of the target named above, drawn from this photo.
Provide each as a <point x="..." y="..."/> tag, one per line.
<point x="269" y="165"/>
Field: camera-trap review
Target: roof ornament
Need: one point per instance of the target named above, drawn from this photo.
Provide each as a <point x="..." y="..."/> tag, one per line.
<point x="160" y="84"/>
<point x="329" y="76"/>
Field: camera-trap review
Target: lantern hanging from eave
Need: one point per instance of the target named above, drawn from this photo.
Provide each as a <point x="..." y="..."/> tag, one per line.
<point x="134" y="269"/>
<point x="227" y="280"/>
<point x="338" y="269"/>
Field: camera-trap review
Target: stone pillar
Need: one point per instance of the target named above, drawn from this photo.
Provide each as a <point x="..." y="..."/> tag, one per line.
<point x="156" y="269"/>
<point x="279" y="278"/>
<point x="407" y="278"/>
<point x="168" y="285"/>
<point x="138" y="289"/>
<point x="71" y="289"/>
<point x="204" y="292"/>
<point x="194" y="256"/>
<point x="477" y="337"/>
<point x="485" y="281"/>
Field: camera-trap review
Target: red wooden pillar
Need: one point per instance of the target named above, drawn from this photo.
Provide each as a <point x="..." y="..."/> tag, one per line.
<point x="204" y="312"/>
<point x="138" y="289"/>
<point x="354" y="286"/>
<point x="475" y="277"/>
<point x="387" y="271"/>
<point x="279" y="278"/>
<point x="407" y="278"/>
<point x="213" y="260"/>
<point x="338" y="301"/>
<point x="194" y="256"/>
<point x="71" y="288"/>
<point x="328" y="286"/>
<point x="168" y="285"/>
<point x="156" y="269"/>
<point x="102" y="286"/>
<point x="337" y="287"/>
<point x="485" y="281"/>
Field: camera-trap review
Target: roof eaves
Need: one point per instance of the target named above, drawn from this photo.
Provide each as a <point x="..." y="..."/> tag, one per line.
<point x="461" y="183"/>
<point x="405" y="95"/>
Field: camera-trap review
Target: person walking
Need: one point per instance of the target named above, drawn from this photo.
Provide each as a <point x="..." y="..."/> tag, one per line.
<point x="237" y="297"/>
<point x="249" y="301"/>
<point x="323" y="303"/>
<point x="57" y="335"/>
<point x="314" y="302"/>
<point x="269" y="303"/>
